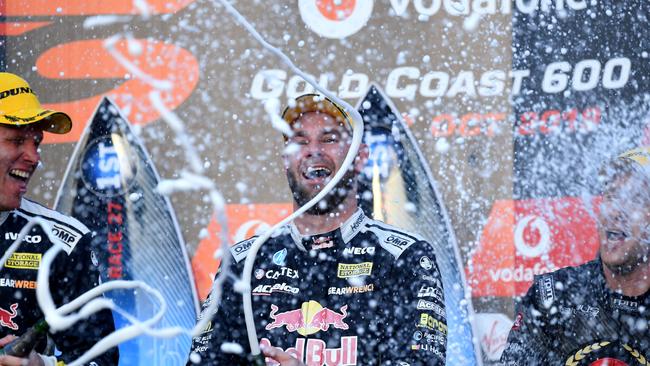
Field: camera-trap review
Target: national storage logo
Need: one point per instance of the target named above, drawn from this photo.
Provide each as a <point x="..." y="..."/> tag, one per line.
<point x="24" y="261"/>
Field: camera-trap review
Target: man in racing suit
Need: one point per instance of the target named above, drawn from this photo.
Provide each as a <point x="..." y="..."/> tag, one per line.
<point x="22" y="122"/>
<point x="597" y="313"/>
<point x="334" y="287"/>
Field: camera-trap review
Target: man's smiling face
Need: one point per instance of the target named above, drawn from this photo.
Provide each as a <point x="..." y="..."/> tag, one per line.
<point x="320" y="146"/>
<point x="19" y="158"/>
<point x="624" y="219"/>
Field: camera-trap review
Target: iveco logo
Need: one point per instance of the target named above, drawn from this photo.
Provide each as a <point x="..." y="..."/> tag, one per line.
<point x="27" y="238"/>
<point x="357" y="251"/>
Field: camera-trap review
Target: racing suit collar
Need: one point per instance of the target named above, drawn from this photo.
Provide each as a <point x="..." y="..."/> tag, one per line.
<point x="616" y="301"/>
<point x="348" y="230"/>
<point x="3" y="216"/>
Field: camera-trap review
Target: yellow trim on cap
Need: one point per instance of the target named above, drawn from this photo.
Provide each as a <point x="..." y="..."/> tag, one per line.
<point x="640" y="156"/>
<point x="315" y="103"/>
<point x="19" y="106"/>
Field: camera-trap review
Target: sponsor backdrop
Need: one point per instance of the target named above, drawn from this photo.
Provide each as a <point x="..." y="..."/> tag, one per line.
<point x="513" y="103"/>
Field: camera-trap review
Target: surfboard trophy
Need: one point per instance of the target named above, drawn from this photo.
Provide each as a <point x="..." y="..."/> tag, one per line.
<point x="110" y="186"/>
<point x="397" y="187"/>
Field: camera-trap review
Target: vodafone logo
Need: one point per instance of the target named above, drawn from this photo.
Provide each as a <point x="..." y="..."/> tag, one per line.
<point x="250" y="228"/>
<point x="335" y="18"/>
<point x="529" y="228"/>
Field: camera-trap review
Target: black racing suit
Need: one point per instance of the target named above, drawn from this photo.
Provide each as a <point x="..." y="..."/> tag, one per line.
<point x="570" y="317"/>
<point x="364" y="294"/>
<point x="72" y="273"/>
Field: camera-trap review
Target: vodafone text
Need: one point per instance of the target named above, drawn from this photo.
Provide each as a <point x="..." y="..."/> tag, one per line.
<point x="519" y="273"/>
<point x="427" y="8"/>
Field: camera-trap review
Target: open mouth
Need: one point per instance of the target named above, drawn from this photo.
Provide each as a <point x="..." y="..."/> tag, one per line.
<point x="19" y="174"/>
<point x="317" y="172"/>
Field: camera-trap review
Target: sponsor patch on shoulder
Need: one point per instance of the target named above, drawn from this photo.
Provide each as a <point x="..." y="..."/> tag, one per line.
<point x="66" y="236"/>
<point x="546" y="290"/>
<point x="240" y="249"/>
<point x="393" y="241"/>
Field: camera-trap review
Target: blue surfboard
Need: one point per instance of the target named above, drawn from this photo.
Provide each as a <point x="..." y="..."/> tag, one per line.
<point x="397" y="187"/>
<point x="110" y="186"/>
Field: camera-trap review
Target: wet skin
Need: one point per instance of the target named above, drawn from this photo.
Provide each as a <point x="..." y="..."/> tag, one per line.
<point x="19" y="157"/>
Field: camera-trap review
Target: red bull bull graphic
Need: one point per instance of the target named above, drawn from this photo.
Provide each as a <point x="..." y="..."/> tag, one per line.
<point x="7" y="316"/>
<point x="314" y="353"/>
<point x="311" y="318"/>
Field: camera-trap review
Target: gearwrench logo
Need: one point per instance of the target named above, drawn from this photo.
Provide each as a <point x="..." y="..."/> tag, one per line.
<point x="335" y="18"/>
<point x="542" y="246"/>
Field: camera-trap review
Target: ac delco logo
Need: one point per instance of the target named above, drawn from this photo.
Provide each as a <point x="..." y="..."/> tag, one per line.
<point x="335" y="19"/>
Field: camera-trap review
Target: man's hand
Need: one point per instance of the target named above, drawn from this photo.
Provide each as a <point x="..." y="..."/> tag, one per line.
<point x="33" y="360"/>
<point x="280" y="356"/>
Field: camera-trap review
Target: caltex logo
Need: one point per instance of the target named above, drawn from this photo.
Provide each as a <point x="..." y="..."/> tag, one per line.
<point x="335" y="18"/>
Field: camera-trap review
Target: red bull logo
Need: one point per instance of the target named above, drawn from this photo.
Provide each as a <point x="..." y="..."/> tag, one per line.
<point x="311" y="318"/>
<point x="314" y="353"/>
<point x="7" y="316"/>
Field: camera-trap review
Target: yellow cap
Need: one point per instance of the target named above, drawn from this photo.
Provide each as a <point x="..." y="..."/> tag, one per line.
<point x="635" y="161"/>
<point x="316" y="103"/>
<point x="19" y="106"/>
<point x="639" y="156"/>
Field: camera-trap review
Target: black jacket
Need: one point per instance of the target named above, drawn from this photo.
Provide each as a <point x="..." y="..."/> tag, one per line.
<point x="364" y="294"/>
<point x="570" y="317"/>
<point x="72" y="273"/>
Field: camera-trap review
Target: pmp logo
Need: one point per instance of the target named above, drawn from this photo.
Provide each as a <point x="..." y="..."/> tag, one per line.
<point x="335" y="18"/>
<point x="525" y="230"/>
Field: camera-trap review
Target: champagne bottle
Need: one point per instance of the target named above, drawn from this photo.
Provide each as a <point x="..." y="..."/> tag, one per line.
<point x="23" y="345"/>
<point x="256" y="360"/>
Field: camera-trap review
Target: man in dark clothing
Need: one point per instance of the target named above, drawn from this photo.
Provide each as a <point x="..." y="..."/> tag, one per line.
<point x="597" y="313"/>
<point x="334" y="287"/>
<point x="22" y="123"/>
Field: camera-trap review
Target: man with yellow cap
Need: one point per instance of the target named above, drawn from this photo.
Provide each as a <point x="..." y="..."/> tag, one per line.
<point x="22" y="123"/>
<point x="334" y="287"/>
<point x="598" y="313"/>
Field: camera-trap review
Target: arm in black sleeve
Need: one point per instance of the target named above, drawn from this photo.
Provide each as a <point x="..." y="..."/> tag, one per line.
<point x="226" y="325"/>
<point x="528" y="338"/>
<point x="415" y="316"/>
<point x="72" y="275"/>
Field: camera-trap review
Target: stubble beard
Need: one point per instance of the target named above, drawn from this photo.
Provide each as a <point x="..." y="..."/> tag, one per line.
<point x="331" y="202"/>
<point x="630" y="265"/>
